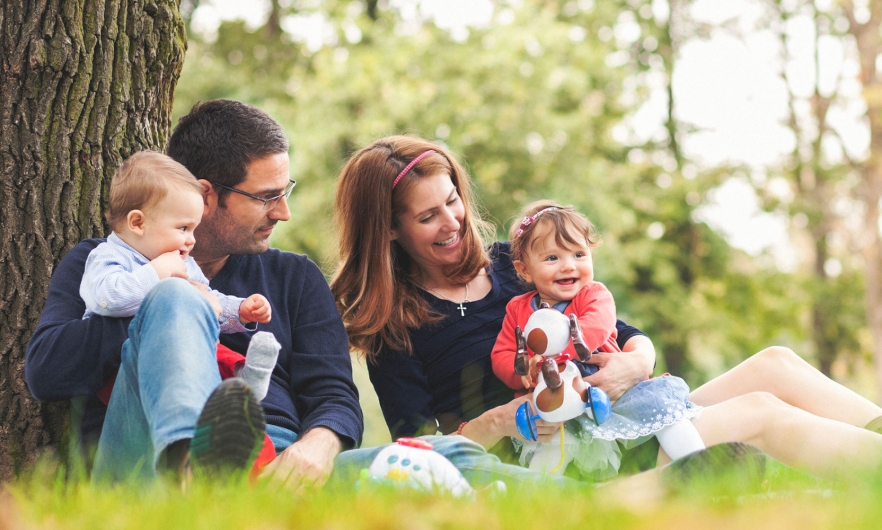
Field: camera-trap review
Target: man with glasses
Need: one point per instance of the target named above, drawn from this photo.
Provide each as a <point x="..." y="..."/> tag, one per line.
<point x="240" y="156"/>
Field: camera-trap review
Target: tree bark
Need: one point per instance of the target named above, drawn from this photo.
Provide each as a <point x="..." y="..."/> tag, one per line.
<point x="83" y="85"/>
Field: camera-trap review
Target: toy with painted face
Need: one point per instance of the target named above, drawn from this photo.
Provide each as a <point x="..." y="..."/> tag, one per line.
<point x="560" y="394"/>
<point x="411" y="462"/>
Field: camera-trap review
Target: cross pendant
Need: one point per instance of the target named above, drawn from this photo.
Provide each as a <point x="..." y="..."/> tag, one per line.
<point x="461" y="309"/>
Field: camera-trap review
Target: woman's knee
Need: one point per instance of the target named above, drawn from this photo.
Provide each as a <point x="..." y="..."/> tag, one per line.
<point x="760" y="401"/>
<point x="742" y="418"/>
<point x="776" y="359"/>
<point x="759" y="411"/>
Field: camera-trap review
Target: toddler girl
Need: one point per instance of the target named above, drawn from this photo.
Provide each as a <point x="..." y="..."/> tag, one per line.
<point x="551" y="250"/>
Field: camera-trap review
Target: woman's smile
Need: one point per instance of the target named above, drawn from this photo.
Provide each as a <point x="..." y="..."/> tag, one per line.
<point x="448" y="242"/>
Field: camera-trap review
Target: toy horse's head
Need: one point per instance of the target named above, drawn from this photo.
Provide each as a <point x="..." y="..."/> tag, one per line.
<point x="547" y="332"/>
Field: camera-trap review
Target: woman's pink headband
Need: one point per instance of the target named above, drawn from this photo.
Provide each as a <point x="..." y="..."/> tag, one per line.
<point x="407" y="168"/>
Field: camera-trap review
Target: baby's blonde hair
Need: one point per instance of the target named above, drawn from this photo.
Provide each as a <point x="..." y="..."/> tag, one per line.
<point x="565" y="222"/>
<point x="144" y="179"/>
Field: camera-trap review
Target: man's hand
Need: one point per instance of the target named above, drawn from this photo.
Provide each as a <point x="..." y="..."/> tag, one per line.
<point x="255" y="308"/>
<point x="307" y="463"/>
<point x="169" y="265"/>
<point x="208" y="295"/>
<point x="621" y="370"/>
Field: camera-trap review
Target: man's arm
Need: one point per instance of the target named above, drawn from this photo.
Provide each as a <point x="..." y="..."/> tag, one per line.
<point x="321" y="386"/>
<point x="68" y="356"/>
<point x="307" y="462"/>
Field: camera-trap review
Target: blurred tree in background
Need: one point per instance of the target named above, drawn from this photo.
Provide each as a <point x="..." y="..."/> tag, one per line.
<point x="539" y="103"/>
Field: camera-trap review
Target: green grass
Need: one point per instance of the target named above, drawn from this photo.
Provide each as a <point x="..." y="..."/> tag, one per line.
<point x="788" y="500"/>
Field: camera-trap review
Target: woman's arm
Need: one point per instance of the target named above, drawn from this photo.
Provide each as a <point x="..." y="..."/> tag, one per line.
<point x="406" y="401"/>
<point x="403" y="392"/>
<point x="620" y="371"/>
<point x="499" y="422"/>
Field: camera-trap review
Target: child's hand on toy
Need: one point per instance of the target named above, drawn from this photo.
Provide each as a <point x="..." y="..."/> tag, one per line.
<point x="533" y="369"/>
<point x="169" y="265"/>
<point x="255" y="308"/>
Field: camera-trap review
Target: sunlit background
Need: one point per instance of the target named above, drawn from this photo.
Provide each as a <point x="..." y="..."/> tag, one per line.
<point x="723" y="147"/>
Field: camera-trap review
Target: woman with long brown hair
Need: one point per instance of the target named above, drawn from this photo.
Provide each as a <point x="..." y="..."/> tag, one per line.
<point x="423" y="299"/>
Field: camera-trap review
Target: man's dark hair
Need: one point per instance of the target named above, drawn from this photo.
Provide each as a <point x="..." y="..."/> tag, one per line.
<point x="217" y="140"/>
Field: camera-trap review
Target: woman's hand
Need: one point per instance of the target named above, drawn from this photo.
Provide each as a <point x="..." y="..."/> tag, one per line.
<point x="497" y="423"/>
<point x="620" y="371"/>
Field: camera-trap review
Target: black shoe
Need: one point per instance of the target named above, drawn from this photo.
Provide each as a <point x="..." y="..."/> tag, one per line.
<point x="732" y="468"/>
<point x="229" y="433"/>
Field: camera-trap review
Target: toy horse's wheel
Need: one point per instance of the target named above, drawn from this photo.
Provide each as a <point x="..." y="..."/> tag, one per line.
<point x="526" y="423"/>
<point x="600" y="405"/>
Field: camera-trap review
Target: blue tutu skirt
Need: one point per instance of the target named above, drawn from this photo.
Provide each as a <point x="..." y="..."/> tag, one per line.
<point x="643" y="410"/>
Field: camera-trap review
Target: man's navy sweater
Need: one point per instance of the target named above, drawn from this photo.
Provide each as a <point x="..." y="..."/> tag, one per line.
<point x="312" y="385"/>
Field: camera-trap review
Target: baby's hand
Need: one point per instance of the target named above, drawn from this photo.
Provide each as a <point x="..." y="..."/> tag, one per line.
<point x="169" y="265"/>
<point x="529" y="380"/>
<point x="255" y="308"/>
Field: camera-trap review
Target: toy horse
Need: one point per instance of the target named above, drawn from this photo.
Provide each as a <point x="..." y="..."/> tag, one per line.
<point x="560" y="394"/>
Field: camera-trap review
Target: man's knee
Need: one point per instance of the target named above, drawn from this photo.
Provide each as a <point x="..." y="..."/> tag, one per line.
<point x="176" y="297"/>
<point x="174" y="288"/>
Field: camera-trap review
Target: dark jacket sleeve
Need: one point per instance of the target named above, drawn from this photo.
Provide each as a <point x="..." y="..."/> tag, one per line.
<point x="320" y="367"/>
<point x="68" y="356"/>
<point x="626" y="333"/>
<point x="403" y="391"/>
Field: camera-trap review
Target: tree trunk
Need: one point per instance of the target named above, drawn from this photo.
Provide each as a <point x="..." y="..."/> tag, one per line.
<point x="83" y="84"/>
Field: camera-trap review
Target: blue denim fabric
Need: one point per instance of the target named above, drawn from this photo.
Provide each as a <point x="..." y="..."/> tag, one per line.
<point x="169" y="368"/>
<point x="478" y="466"/>
<point x="282" y="438"/>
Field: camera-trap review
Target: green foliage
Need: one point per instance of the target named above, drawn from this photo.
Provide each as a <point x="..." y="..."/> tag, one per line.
<point x="531" y="104"/>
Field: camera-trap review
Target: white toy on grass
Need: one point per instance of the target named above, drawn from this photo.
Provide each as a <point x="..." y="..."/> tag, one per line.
<point x="411" y="462"/>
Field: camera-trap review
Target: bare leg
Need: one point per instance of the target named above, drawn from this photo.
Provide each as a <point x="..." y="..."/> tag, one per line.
<point x="823" y="447"/>
<point x="791" y="379"/>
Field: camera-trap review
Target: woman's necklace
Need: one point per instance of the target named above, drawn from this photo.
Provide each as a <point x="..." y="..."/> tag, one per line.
<point x="465" y="299"/>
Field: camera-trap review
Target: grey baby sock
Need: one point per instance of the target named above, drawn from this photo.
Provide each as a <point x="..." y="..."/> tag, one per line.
<point x="263" y="350"/>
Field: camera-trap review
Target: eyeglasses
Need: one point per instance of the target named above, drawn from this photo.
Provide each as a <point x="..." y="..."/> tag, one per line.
<point x="268" y="203"/>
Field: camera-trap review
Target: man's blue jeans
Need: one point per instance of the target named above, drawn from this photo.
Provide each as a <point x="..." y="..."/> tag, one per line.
<point x="478" y="466"/>
<point x="169" y="368"/>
